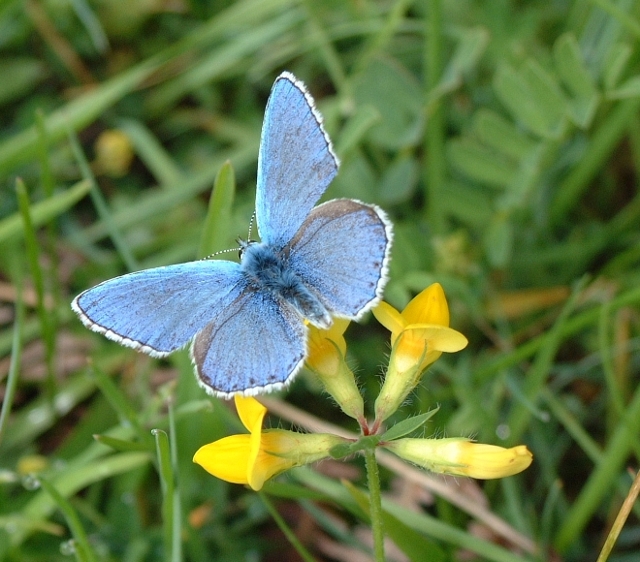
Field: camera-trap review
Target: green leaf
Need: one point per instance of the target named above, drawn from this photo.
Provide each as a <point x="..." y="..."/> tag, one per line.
<point x="470" y="47"/>
<point x="407" y="426"/>
<point x="399" y="181"/>
<point x="356" y="128"/>
<point x="498" y="241"/>
<point x="574" y="74"/>
<point x="533" y="97"/>
<point x="571" y="67"/>
<point x="501" y="135"/>
<point x="628" y="89"/>
<point x="615" y="64"/>
<point x="396" y="94"/>
<point x="480" y="163"/>
<point x="216" y="225"/>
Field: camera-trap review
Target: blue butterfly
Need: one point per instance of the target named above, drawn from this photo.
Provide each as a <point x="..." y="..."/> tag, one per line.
<point x="247" y="321"/>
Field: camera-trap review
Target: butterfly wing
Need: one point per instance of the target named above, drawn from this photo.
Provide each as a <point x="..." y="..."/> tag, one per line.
<point x="296" y="162"/>
<point x="257" y="344"/>
<point x="341" y="253"/>
<point x="159" y="310"/>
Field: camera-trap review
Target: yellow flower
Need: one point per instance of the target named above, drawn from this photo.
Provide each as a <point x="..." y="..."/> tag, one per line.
<point x="254" y="458"/>
<point x="461" y="457"/>
<point x="327" y="349"/>
<point x="419" y="335"/>
<point x="421" y="331"/>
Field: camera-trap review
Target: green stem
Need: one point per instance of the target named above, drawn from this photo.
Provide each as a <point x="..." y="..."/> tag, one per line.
<point x="282" y="524"/>
<point x="375" y="504"/>
<point x="434" y="177"/>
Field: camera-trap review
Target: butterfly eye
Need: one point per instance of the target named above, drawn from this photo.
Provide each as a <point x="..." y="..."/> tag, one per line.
<point x="243" y="245"/>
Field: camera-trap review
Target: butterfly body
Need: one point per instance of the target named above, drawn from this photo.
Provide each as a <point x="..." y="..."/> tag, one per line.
<point x="246" y="321"/>
<point x="267" y="269"/>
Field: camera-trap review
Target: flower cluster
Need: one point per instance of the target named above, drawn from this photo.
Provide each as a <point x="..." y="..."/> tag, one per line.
<point x="419" y="335"/>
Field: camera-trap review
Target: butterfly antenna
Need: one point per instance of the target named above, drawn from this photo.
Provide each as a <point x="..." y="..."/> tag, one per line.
<point x="253" y="216"/>
<point x="219" y="252"/>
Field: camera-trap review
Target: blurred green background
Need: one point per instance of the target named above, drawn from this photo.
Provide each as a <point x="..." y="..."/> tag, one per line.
<point x="502" y="138"/>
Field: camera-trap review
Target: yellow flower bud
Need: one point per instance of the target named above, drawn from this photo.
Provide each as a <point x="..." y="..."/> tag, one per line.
<point x="462" y="457"/>
<point x="327" y="349"/>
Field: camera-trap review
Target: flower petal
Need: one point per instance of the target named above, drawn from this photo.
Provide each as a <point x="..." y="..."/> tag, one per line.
<point x="270" y="459"/>
<point x="428" y="307"/>
<point x="226" y="458"/>
<point x="438" y="338"/>
<point x="390" y="318"/>
<point x="250" y="411"/>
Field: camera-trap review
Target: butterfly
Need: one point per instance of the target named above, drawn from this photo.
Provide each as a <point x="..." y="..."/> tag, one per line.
<point x="247" y="322"/>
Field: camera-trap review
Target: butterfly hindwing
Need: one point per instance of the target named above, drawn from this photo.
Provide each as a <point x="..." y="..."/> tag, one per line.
<point x="349" y="281"/>
<point x="257" y="343"/>
<point x="159" y="310"/>
<point x="296" y="162"/>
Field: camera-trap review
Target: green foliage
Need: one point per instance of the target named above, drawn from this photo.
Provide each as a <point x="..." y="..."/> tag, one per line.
<point x="501" y="137"/>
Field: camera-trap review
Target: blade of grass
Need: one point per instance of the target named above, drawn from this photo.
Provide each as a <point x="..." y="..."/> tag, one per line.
<point x="82" y="548"/>
<point x="160" y="163"/>
<point x="72" y="480"/>
<point x="602" y="478"/>
<point x="46" y="178"/>
<point x="42" y="212"/>
<point x="16" y="356"/>
<point x="421" y="522"/>
<point x="434" y="170"/>
<point x="38" y="416"/>
<point x="75" y="114"/>
<point x="120" y="404"/>
<point x="328" y="52"/>
<point x="603" y="141"/>
<point x="46" y="319"/>
<point x="100" y="203"/>
<point x="618" y="524"/>
<point x="158" y="201"/>
<point x="286" y="530"/>
<point x="176" y="521"/>
<point x="377" y="43"/>
<point x="165" y="471"/>
<point x="222" y="60"/>
<point x="521" y="414"/>
<point x="216" y="224"/>
<point x="574" y="325"/>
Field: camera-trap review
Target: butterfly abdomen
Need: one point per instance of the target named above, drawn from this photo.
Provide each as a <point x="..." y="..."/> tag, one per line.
<point x="268" y="269"/>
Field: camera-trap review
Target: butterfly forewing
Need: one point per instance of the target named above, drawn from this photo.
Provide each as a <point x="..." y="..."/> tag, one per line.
<point x="159" y="310"/>
<point x="296" y="162"/>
